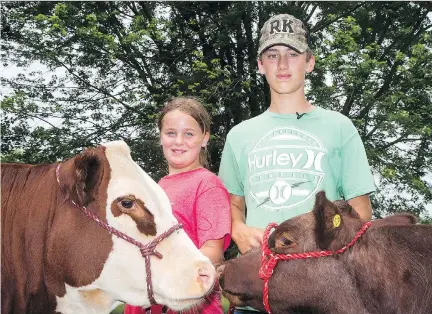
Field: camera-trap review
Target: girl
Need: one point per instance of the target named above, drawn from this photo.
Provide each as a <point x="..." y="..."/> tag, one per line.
<point x="199" y="199"/>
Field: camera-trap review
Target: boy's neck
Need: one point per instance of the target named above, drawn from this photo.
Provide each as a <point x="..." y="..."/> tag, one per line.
<point x="289" y="103"/>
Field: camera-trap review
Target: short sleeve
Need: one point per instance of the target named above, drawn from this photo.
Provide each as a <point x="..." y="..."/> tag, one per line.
<point x="356" y="176"/>
<point x="213" y="214"/>
<point x="229" y="171"/>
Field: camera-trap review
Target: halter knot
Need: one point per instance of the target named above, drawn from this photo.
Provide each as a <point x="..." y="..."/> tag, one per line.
<point x="150" y="251"/>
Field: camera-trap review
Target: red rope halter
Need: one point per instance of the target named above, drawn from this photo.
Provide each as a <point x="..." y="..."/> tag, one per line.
<point x="270" y="259"/>
<point x="146" y="250"/>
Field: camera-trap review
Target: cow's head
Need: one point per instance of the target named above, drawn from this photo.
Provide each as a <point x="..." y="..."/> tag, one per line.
<point x="302" y="284"/>
<point x="99" y="268"/>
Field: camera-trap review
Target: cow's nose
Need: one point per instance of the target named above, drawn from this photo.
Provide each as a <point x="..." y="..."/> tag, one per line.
<point x="206" y="275"/>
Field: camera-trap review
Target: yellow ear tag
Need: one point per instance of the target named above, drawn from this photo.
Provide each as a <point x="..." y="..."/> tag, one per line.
<point x="336" y="221"/>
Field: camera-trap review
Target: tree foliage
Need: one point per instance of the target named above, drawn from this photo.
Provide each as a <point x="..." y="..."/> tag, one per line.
<point x="106" y="68"/>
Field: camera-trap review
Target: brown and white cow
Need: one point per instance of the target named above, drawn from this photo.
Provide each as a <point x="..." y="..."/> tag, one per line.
<point x="55" y="259"/>
<point x="388" y="269"/>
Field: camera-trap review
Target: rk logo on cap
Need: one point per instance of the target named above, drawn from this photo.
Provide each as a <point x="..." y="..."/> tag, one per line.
<point x="283" y="29"/>
<point x="281" y="26"/>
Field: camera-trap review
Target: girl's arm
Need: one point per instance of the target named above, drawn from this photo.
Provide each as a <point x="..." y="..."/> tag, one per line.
<point x="213" y="249"/>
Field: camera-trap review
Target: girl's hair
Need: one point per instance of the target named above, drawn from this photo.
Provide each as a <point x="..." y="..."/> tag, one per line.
<point x="196" y="110"/>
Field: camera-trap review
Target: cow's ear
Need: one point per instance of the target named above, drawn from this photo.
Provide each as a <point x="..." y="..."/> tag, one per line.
<point x="328" y="220"/>
<point x="81" y="176"/>
<point x="87" y="174"/>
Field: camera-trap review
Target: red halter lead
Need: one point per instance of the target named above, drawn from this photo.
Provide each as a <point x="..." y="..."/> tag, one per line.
<point x="146" y="250"/>
<point x="270" y="259"/>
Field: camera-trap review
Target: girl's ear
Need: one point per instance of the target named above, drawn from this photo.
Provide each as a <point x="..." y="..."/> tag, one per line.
<point x="205" y="139"/>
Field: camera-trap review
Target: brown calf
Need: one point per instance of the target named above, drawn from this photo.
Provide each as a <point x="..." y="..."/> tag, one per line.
<point x="388" y="270"/>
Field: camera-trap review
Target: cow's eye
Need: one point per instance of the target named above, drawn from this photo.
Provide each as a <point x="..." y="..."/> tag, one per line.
<point x="126" y="204"/>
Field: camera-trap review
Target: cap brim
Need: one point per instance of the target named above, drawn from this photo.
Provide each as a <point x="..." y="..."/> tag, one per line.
<point x="292" y="43"/>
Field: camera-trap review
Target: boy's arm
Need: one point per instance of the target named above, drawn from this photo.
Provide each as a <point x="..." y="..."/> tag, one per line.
<point x="356" y="181"/>
<point x="362" y="206"/>
<point x="244" y="236"/>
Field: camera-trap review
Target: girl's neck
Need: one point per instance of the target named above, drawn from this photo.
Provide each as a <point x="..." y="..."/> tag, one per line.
<point x="173" y="170"/>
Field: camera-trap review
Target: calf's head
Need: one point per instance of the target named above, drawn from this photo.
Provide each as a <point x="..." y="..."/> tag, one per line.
<point x="303" y="284"/>
<point x="112" y="186"/>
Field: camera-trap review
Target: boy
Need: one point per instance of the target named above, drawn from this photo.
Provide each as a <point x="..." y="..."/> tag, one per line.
<point x="274" y="163"/>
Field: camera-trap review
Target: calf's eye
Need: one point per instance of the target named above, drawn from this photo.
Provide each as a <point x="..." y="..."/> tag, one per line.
<point x="283" y="241"/>
<point x="286" y="241"/>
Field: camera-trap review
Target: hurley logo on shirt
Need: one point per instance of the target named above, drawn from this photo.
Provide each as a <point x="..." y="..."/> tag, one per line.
<point x="285" y="168"/>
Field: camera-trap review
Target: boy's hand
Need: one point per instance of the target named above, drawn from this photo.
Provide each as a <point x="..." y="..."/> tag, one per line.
<point x="246" y="237"/>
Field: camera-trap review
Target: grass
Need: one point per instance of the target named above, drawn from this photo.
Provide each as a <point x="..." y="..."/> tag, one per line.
<point x="118" y="310"/>
<point x="225" y="304"/>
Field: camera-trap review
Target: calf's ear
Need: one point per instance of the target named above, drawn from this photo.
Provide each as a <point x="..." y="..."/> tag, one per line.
<point x="79" y="177"/>
<point x="328" y="220"/>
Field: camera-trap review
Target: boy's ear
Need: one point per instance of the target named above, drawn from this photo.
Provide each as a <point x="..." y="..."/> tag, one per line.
<point x="310" y="64"/>
<point x="328" y="220"/>
<point x="260" y="66"/>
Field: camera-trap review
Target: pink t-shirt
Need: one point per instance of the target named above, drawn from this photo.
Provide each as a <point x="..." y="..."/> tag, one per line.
<point x="201" y="203"/>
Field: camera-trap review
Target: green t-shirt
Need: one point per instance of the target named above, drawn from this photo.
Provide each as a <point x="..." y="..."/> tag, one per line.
<point x="278" y="163"/>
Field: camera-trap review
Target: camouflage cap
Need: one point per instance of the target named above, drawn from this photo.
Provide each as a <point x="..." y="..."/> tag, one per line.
<point x="283" y="29"/>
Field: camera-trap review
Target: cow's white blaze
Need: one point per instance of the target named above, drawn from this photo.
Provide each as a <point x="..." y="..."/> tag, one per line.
<point x="175" y="277"/>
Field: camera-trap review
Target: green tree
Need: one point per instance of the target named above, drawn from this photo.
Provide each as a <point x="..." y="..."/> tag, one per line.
<point x="110" y="66"/>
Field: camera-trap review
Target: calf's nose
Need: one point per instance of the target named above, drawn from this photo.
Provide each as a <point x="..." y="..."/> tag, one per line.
<point x="219" y="270"/>
<point x="220" y="274"/>
<point x="221" y="281"/>
<point x="206" y="276"/>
